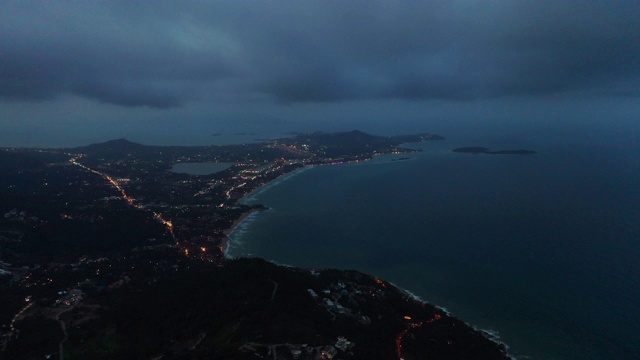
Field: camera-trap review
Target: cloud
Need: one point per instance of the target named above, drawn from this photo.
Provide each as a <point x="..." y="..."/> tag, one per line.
<point x="164" y="54"/>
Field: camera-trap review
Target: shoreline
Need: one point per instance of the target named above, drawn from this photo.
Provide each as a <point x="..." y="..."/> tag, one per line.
<point x="234" y="225"/>
<point x="491" y="335"/>
<point x="237" y="222"/>
<point x="242" y="201"/>
<point x="264" y="186"/>
<point x="306" y="167"/>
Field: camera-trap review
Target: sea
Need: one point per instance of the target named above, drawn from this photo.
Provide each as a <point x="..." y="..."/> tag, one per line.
<point x="542" y="250"/>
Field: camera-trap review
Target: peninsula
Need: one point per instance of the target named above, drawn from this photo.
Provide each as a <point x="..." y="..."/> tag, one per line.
<point x="105" y="253"/>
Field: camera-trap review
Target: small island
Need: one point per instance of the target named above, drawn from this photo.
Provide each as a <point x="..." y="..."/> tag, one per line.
<point x="484" y="150"/>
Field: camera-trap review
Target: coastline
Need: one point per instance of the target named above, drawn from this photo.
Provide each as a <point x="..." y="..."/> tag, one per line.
<point x="275" y="181"/>
<point x="237" y="222"/>
<point x="491" y="335"/>
<point x="234" y="225"/>
<point x="243" y="201"/>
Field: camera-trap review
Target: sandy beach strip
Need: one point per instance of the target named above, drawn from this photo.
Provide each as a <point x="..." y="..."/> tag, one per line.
<point x="237" y="222"/>
<point x="233" y="226"/>
<point x="244" y="215"/>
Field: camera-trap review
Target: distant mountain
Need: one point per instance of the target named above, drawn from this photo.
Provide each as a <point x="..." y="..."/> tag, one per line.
<point x="115" y="147"/>
<point x="112" y="146"/>
<point x="340" y="143"/>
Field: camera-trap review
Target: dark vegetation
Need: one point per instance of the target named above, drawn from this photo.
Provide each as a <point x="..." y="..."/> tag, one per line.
<point x="38" y="338"/>
<point x="233" y="305"/>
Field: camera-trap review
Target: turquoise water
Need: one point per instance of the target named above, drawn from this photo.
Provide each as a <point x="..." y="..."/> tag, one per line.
<point x="542" y="249"/>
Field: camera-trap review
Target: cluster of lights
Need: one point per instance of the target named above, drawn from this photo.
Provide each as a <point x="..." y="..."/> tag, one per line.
<point x="130" y="200"/>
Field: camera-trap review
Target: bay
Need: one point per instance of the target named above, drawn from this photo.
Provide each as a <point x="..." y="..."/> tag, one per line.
<point x="542" y="249"/>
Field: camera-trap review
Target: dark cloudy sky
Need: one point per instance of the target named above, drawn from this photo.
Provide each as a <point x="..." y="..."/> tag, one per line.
<point x="81" y="71"/>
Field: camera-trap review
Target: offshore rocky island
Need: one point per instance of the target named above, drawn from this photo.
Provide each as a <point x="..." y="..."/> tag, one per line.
<point x="105" y="253"/>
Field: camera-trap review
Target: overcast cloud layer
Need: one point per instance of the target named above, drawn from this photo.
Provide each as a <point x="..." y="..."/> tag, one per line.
<point x="167" y="54"/>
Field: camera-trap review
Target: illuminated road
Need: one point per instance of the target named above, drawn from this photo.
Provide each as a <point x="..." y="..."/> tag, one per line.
<point x="127" y="198"/>
<point x="12" y="324"/>
<point x="412" y="325"/>
<point x="12" y="327"/>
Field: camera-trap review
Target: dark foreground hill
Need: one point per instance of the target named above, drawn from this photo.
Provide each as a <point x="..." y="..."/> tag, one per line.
<point x="253" y="309"/>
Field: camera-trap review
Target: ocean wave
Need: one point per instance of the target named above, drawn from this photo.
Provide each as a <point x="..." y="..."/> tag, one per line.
<point x="281" y="264"/>
<point x="410" y="294"/>
<point x="494" y="336"/>
<point x="235" y="238"/>
<point x="253" y="196"/>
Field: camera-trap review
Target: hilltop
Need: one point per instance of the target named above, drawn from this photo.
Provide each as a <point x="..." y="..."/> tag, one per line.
<point x="252" y="309"/>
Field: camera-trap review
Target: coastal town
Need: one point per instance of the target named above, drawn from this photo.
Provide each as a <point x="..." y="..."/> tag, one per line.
<point x="82" y="229"/>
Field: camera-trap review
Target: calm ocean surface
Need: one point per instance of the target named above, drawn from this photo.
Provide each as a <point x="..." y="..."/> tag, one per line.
<point x="543" y="249"/>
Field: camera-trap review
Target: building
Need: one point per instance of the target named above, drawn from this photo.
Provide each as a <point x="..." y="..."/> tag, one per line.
<point x="328" y="352"/>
